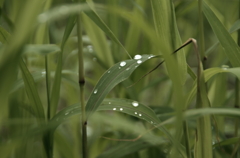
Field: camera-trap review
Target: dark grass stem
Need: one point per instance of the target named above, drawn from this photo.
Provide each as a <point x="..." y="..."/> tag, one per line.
<point x="81" y="86"/>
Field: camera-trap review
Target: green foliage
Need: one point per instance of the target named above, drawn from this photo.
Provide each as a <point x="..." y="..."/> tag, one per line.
<point x="187" y="107"/>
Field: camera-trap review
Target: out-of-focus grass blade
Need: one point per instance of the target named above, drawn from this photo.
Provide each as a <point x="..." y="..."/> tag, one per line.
<point x="234" y="28"/>
<point x="20" y="83"/>
<point x="167" y="31"/>
<point x="125" y="148"/>
<point x="4" y="35"/>
<point x="61" y="12"/>
<point x="209" y="73"/>
<point x="231" y="49"/>
<point x="113" y="76"/>
<point x="57" y="79"/>
<point x="32" y="92"/>
<point x="230" y="141"/>
<point x="98" y="40"/>
<point x="41" y="48"/>
<point x="10" y="56"/>
<point x="100" y="23"/>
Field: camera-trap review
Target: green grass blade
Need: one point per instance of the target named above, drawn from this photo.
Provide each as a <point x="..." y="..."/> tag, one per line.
<point x="209" y="73"/>
<point x="126" y="148"/>
<point x="43" y="49"/>
<point x="4" y="35"/>
<point x="32" y="92"/>
<point x="231" y="49"/>
<point x="167" y="31"/>
<point x="58" y="74"/>
<point x="100" y="23"/>
<point x="130" y="107"/>
<point x="99" y="41"/>
<point x="113" y="76"/>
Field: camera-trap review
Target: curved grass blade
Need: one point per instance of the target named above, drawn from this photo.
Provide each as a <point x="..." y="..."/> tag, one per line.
<point x="100" y="23"/>
<point x="130" y="107"/>
<point x="57" y="80"/>
<point x="126" y="148"/>
<point x="113" y="76"/>
<point x="32" y="91"/>
<point x="41" y="48"/>
<point x="234" y="28"/>
<point x="208" y="74"/>
<point x="4" y="35"/>
<point x="231" y="49"/>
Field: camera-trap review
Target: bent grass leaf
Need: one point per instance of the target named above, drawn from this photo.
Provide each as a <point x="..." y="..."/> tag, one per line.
<point x="41" y="48"/>
<point x="231" y="49"/>
<point x="208" y="74"/>
<point x="32" y="92"/>
<point x="113" y="76"/>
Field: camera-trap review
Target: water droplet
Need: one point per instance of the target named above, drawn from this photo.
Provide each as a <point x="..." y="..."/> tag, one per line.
<point x="94" y="59"/>
<point x="139" y="114"/>
<point x="135" y="103"/>
<point x="123" y="63"/>
<point x="151" y="122"/>
<point x="135" y="113"/>
<point x="150" y="56"/>
<point x="225" y="67"/>
<point x="137" y="57"/>
<point x="128" y="69"/>
<point x="42" y="18"/>
<point x="139" y="61"/>
<point x="121" y="109"/>
<point x="109" y="102"/>
<point x="119" y="67"/>
<point x="109" y="71"/>
<point x="90" y="48"/>
<point x="95" y="91"/>
<point x="66" y="113"/>
<point x="114" y="108"/>
<point x="43" y="73"/>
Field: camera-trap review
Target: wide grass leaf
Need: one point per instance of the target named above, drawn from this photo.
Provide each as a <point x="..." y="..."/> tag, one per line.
<point x="231" y="49"/>
<point x="113" y="76"/>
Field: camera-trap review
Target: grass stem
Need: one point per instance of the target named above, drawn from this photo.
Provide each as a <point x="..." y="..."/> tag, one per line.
<point x="81" y="86"/>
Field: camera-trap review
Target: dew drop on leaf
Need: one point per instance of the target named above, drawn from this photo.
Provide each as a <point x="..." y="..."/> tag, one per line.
<point x="140" y="115"/>
<point x="225" y="67"/>
<point x="137" y="57"/>
<point x="114" y="108"/>
<point x="135" y="113"/>
<point x="139" y="61"/>
<point x="66" y="113"/>
<point x="135" y="103"/>
<point x="109" y="71"/>
<point x="109" y="102"/>
<point x="95" y="91"/>
<point x="128" y="69"/>
<point x="123" y="63"/>
<point x="121" y="109"/>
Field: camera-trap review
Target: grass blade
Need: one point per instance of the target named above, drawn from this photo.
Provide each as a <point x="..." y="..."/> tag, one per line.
<point x="32" y="92"/>
<point x="58" y="75"/>
<point x="231" y="49"/>
<point x="116" y="74"/>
